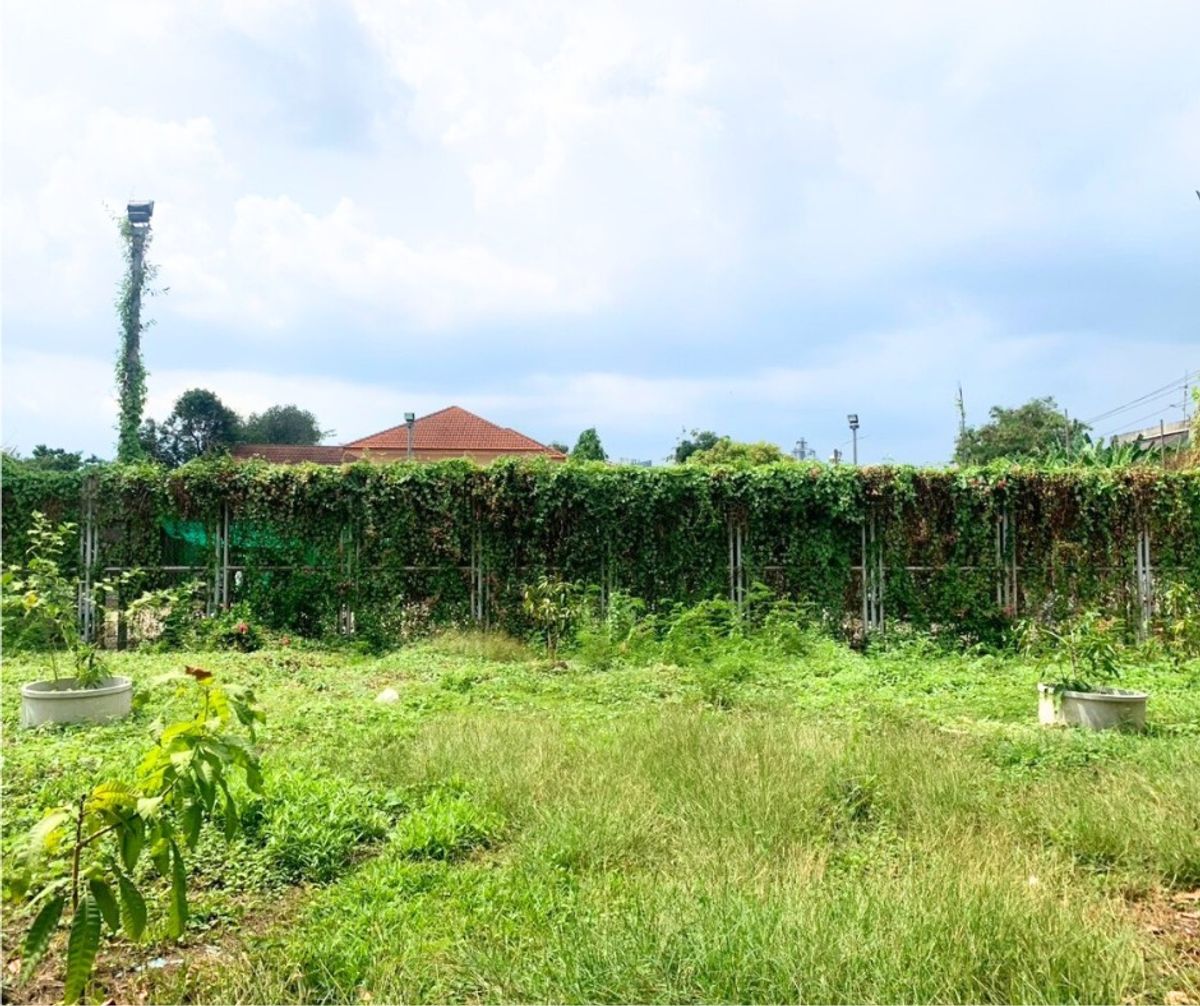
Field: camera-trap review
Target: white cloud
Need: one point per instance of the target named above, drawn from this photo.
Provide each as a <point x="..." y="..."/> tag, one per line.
<point x="593" y="170"/>
<point x="287" y="259"/>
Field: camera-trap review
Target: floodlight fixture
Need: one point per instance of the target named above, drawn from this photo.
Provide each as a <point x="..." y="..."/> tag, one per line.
<point x="140" y="212"/>
<point x="409" y="419"/>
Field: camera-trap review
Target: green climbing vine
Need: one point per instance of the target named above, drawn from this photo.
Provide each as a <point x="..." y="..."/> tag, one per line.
<point x="397" y="543"/>
<point x="131" y="371"/>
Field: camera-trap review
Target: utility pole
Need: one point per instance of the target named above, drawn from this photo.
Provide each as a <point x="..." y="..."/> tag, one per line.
<point x="800" y="452"/>
<point x="962" y="413"/>
<point x="131" y="372"/>
<point x="836" y="457"/>
<point x="852" y="419"/>
<point x="410" y="419"/>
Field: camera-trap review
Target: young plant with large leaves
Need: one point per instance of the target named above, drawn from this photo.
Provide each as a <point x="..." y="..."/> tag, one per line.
<point x="85" y="864"/>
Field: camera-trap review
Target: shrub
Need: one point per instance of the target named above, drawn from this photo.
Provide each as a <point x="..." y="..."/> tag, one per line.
<point x="555" y="608"/>
<point x="234" y="629"/>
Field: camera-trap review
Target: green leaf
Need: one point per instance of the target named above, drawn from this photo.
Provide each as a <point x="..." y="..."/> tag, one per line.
<point x="205" y="785"/>
<point x="38" y="937"/>
<point x="177" y="916"/>
<point x="43" y="833"/>
<point x="253" y="777"/>
<point x="193" y="815"/>
<point x="134" y="908"/>
<point x="160" y="853"/>
<point x="231" y="818"/>
<point x="108" y="904"/>
<point x="133" y="837"/>
<point x="82" y="945"/>
<point x="111" y="796"/>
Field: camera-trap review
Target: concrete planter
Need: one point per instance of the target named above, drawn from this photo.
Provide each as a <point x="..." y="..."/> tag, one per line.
<point x="63" y="701"/>
<point x="1101" y="710"/>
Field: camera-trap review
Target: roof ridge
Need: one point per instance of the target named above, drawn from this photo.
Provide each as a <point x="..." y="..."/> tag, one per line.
<point x="451" y="427"/>
<point x="404" y="426"/>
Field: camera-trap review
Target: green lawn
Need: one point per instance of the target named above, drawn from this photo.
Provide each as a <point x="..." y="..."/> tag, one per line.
<point x="823" y="827"/>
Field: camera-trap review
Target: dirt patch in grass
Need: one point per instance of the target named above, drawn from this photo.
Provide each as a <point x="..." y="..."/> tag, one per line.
<point x="1172" y="920"/>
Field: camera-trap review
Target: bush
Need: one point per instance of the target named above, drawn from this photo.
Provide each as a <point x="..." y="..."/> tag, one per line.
<point x="232" y="630"/>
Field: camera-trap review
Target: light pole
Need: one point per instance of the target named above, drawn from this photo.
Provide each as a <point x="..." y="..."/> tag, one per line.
<point x="139" y="223"/>
<point x="131" y="374"/>
<point x="409" y="419"/>
<point x="852" y="419"/>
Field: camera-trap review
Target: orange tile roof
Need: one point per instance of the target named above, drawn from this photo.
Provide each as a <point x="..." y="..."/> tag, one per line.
<point x="452" y="429"/>
<point x="289" y="454"/>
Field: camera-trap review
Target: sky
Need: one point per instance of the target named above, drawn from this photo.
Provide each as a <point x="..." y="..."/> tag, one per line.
<point x="645" y="217"/>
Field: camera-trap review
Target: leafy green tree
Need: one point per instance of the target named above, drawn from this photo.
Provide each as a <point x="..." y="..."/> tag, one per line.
<point x="556" y="445"/>
<point x="733" y="452"/>
<point x="1030" y="432"/>
<point x="55" y="459"/>
<point x="283" y="424"/>
<point x="199" y="425"/>
<point x="697" y="440"/>
<point x="52" y="459"/>
<point x="588" y="447"/>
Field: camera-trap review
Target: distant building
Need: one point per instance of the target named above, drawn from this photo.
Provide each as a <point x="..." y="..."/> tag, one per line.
<point x="1169" y="435"/>
<point x="449" y="433"/>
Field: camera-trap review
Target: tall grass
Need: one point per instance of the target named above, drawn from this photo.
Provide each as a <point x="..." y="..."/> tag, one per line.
<point x="691" y="855"/>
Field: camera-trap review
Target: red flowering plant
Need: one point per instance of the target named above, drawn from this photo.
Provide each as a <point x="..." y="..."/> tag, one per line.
<point x="235" y="630"/>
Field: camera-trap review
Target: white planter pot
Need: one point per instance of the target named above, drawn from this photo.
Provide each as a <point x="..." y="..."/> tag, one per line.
<point x="63" y="701"/>
<point x="1103" y="710"/>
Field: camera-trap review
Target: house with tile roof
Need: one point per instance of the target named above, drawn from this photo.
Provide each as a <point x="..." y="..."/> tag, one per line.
<point x="448" y="433"/>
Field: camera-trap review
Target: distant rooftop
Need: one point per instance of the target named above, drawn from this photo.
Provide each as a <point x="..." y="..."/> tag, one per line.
<point x="452" y="429"/>
<point x="452" y="432"/>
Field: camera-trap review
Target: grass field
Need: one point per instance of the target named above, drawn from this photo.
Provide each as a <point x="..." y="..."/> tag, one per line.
<point x="819" y="827"/>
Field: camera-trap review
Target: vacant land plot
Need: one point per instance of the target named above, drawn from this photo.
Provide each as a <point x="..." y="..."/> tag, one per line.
<point x="820" y="827"/>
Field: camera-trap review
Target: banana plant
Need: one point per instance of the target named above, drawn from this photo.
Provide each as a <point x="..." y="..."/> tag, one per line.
<point x="81" y="862"/>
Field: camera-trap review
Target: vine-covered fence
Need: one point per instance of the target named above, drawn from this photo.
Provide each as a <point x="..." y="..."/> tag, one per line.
<point x="324" y="549"/>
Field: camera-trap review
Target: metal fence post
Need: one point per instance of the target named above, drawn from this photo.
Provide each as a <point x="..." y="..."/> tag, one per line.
<point x="736" y="531"/>
<point x="1144" y="581"/>
<point x="478" y="575"/>
<point x="347" y="549"/>
<point x="89" y="548"/>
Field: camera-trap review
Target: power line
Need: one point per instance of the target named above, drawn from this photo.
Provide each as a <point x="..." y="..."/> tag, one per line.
<point x="1124" y="427"/>
<point x="1166" y="389"/>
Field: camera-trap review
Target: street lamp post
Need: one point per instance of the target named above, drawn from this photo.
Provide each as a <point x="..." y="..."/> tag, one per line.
<point x="852" y="419"/>
<point x="409" y="419"/>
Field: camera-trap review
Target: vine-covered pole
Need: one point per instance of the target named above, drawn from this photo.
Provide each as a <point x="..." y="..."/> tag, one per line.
<point x="131" y="371"/>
